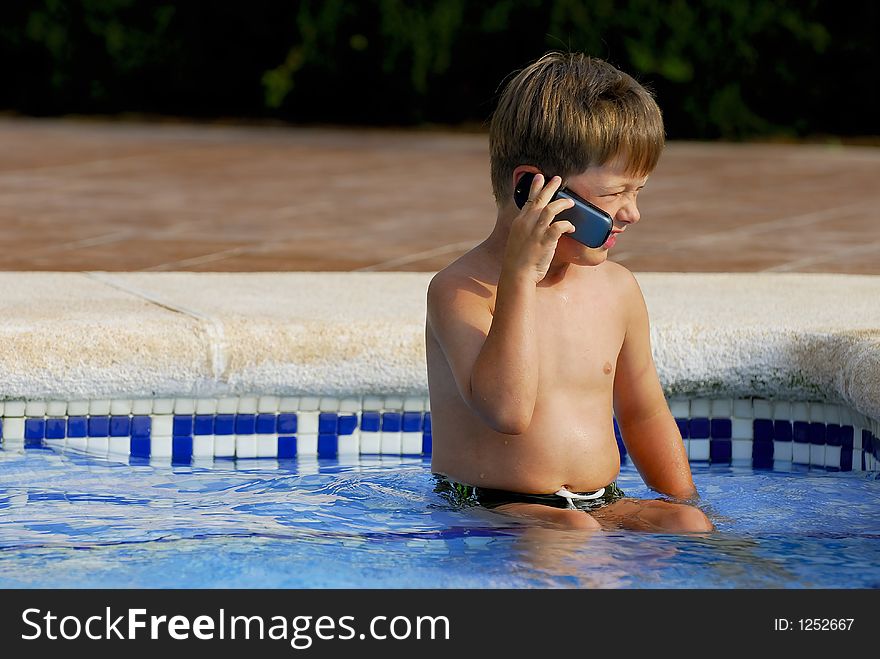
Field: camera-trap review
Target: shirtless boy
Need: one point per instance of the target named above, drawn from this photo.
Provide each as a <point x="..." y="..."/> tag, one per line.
<point x="533" y="337"/>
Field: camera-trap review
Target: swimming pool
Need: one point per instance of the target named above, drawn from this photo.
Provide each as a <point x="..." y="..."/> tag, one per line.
<point x="71" y="520"/>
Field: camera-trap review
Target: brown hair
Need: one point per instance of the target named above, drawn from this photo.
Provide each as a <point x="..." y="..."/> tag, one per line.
<point x="567" y="112"/>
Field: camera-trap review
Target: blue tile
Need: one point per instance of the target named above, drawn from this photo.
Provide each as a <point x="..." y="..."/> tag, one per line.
<point x="616" y="427"/>
<point x="762" y="451"/>
<point x="224" y="424"/>
<point x="286" y="447"/>
<point x="427" y="443"/>
<point x="817" y="433"/>
<point x="782" y="430"/>
<point x="245" y="424"/>
<point x="34" y="429"/>
<point x="120" y="426"/>
<point x="621" y="448"/>
<point x="203" y="424"/>
<point x="721" y="429"/>
<point x="183" y="425"/>
<point x="392" y="421"/>
<point x="370" y="421"/>
<point x="846" y="436"/>
<point x="412" y="422"/>
<point x="55" y="428"/>
<point x="141" y="425"/>
<point x="426" y="424"/>
<point x="77" y="426"/>
<point x="846" y="459"/>
<point x="140" y="447"/>
<point x="698" y="428"/>
<point x="1" y="427"/>
<point x="99" y="426"/>
<point x="267" y="424"/>
<point x="762" y="430"/>
<point x="347" y="424"/>
<point x="832" y="434"/>
<point x="682" y="427"/>
<point x="181" y="449"/>
<point x="801" y="433"/>
<point x="328" y="445"/>
<point x="763" y="462"/>
<point x="720" y="450"/>
<point x="286" y="424"/>
<point x="327" y="423"/>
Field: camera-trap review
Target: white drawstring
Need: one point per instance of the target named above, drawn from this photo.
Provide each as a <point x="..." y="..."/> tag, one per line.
<point x="563" y="492"/>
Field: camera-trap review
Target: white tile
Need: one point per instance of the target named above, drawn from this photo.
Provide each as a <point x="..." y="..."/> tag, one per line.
<point x="370" y="442"/>
<point x="800" y="453"/>
<point x="722" y="407"/>
<point x="224" y="446"/>
<point x="2" y="404"/>
<point x="35" y="408"/>
<point x="817" y="412"/>
<point x="427" y="405"/>
<point x="120" y="445"/>
<point x="832" y="456"/>
<point x="160" y="447"/>
<point x="350" y="405"/>
<point x="268" y="404"/>
<point x="14" y="408"/>
<point x="329" y="404"/>
<point x="857" y="437"/>
<point x="817" y="455"/>
<point x="741" y="449"/>
<point x="743" y="428"/>
<point x="393" y="403"/>
<point x="698" y="449"/>
<point x="833" y="413"/>
<point x="161" y="461"/>
<point x="120" y="407"/>
<point x="98" y="445"/>
<point x="267" y="446"/>
<point x="184" y="406"/>
<point x="781" y="409"/>
<point x="763" y="409"/>
<point x="845" y="416"/>
<point x="13" y="428"/>
<point x="742" y="408"/>
<point x="162" y="425"/>
<point x="309" y="403"/>
<point x="76" y="443"/>
<point x="411" y="443"/>
<point x="227" y="405"/>
<point x="306" y="445"/>
<point x="288" y="404"/>
<point x="142" y="406"/>
<point x="782" y="451"/>
<point x="247" y="405"/>
<point x="390" y="443"/>
<point x="163" y="406"/>
<point x="245" y="446"/>
<point x="349" y="444"/>
<point x="206" y="406"/>
<point x="99" y="407"/>
<point x="680" y="408"/>
<point x="203" y="446"/>
<point x="414" y="404"/>
<point x="307" y="422"/>
<point x="857" y="460"/>
<point x="76" y="407"/>
<point x="373" y="404"/>
<point x="308" y="463"/>
<point x="800" y="411"/>
<point x="700" y="408"/>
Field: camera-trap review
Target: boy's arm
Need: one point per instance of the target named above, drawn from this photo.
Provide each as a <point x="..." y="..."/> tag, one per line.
<point x="649" y="431"/>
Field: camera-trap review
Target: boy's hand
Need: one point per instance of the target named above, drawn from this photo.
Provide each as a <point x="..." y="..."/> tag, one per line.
<point x="533" y="234"/>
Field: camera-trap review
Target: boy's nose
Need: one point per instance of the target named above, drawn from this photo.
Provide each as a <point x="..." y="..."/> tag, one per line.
<point x="628" y="213"/>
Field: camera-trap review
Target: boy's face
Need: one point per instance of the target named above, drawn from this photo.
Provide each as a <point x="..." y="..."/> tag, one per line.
<point x="613" y="190"/>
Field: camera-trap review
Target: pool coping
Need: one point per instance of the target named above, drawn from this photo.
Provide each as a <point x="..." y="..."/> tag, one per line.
<point x="87" y="335"/>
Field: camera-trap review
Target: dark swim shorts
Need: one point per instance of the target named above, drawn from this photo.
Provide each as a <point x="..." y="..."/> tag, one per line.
<point x="462" y="496"/>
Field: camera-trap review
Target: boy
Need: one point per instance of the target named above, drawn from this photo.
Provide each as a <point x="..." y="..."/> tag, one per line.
<point x="532" y="336"/>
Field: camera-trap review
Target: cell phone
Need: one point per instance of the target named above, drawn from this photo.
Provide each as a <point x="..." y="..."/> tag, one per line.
<point x="592" y="225"/>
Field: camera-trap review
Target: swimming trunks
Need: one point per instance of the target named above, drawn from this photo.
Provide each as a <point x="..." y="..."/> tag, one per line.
<point x="461" y="495"/>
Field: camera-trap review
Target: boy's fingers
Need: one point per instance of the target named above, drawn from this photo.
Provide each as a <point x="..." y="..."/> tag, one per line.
<point x="545" y="195"/>
<point x="561" y="227"/>
<point x="553" y="209"/>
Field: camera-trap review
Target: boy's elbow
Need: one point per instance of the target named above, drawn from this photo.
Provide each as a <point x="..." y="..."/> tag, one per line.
<point x="510" y="422"/>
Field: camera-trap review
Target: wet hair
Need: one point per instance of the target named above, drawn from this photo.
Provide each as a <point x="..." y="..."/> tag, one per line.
<point x="567" y="112"/>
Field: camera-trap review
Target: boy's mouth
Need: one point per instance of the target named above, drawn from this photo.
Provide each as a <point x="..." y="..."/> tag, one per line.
<point x="612" y="239"/>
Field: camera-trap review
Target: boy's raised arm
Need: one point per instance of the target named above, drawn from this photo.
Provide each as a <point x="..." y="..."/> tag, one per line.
<point x="494" y="357"/>
<point x="649" y="431"/>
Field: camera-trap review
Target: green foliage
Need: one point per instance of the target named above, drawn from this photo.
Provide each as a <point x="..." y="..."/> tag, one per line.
<point x="720" y="68"/>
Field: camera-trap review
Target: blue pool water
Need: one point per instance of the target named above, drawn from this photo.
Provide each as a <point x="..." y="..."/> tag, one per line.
<point x="69" y="520"/>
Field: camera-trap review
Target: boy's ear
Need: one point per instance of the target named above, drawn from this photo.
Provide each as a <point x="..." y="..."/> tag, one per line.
<point x="519" y="170"/>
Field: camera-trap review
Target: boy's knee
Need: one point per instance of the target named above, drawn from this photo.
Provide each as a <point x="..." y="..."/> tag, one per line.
<point x="688" y="519"/>
<point x="578" y="520"/>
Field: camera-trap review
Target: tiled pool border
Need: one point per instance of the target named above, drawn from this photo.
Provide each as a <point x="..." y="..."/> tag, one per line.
<point x="769" y="434"/>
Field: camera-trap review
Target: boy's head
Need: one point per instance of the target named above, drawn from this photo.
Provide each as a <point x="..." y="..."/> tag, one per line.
<point x="567" y="112"/>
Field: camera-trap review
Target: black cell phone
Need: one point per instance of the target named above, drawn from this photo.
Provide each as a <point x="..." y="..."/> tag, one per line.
<point x="592" y="225"/>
